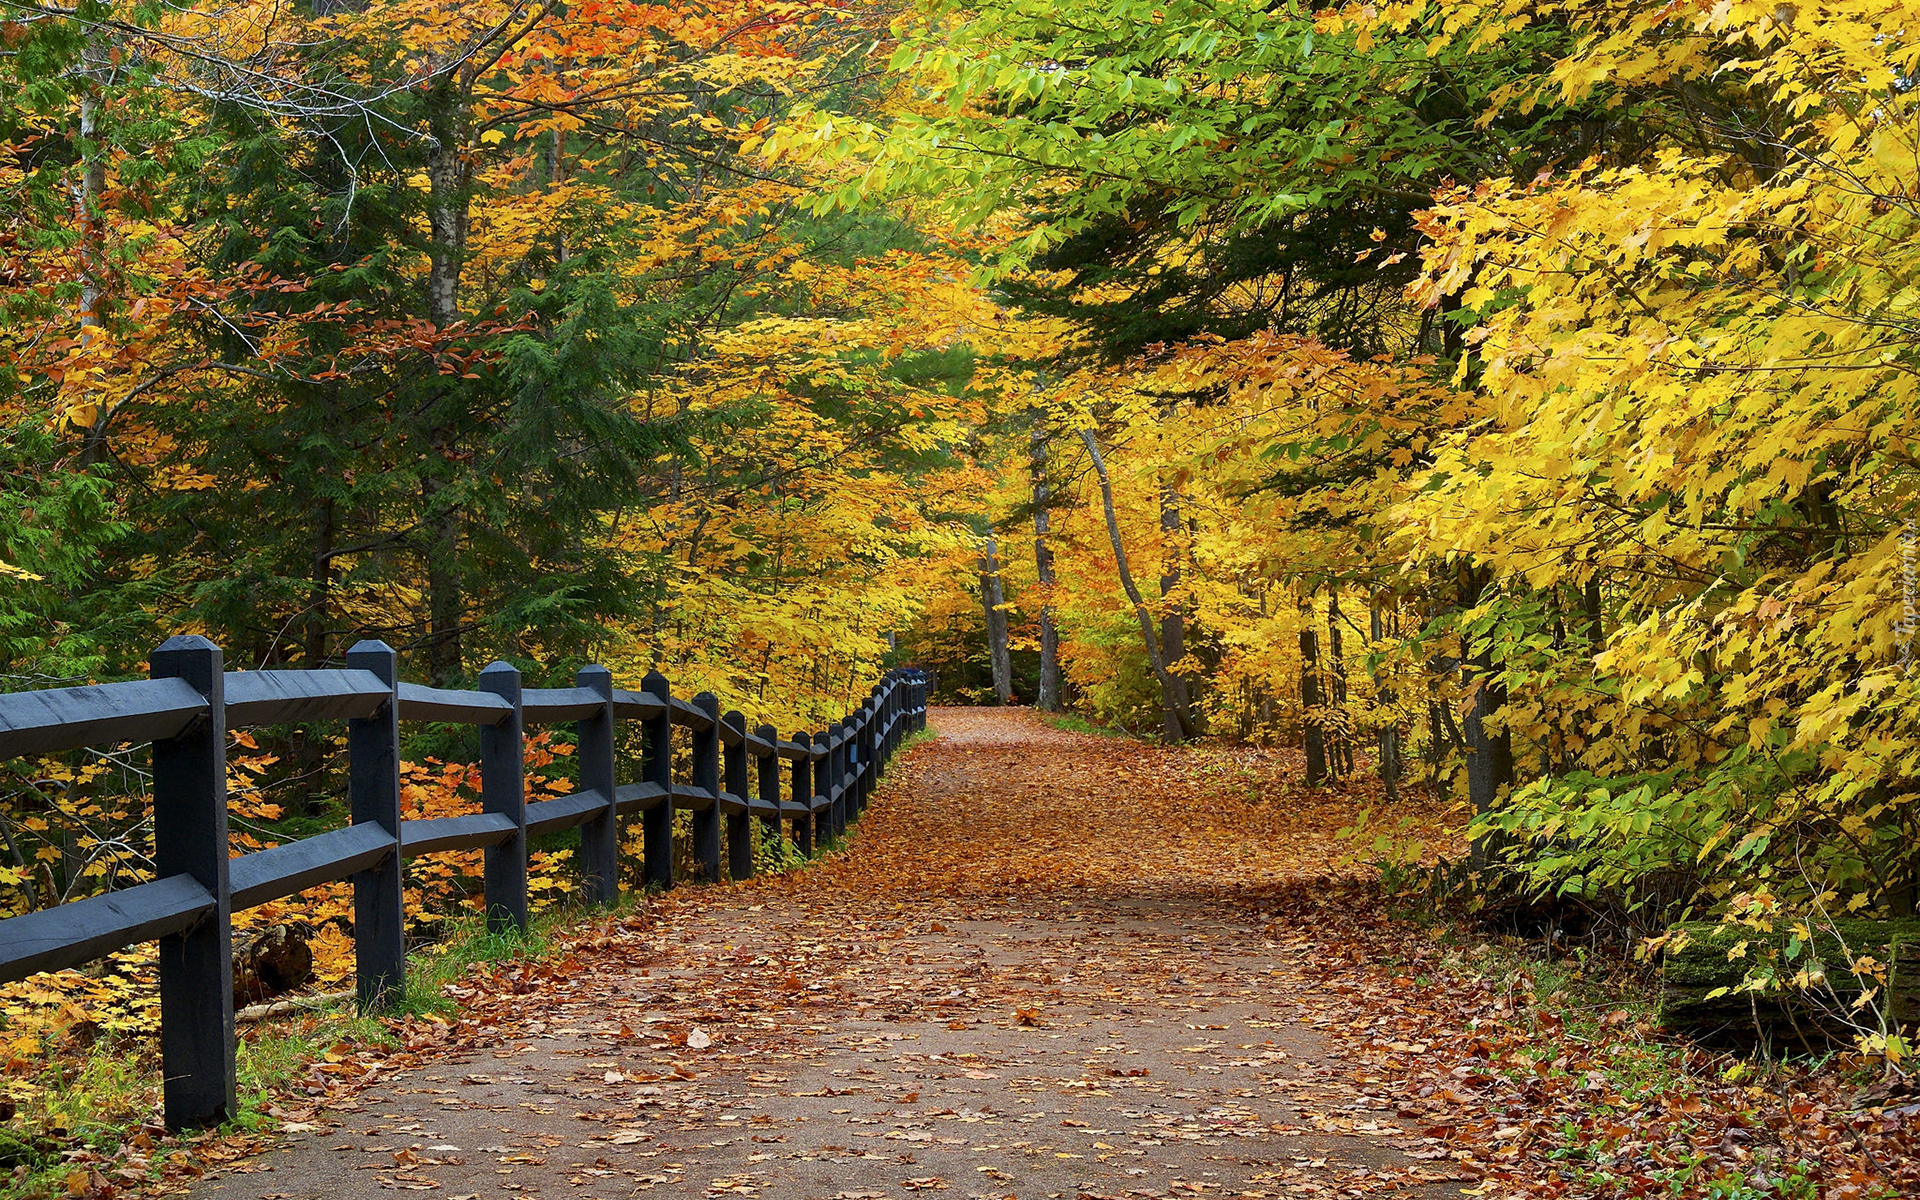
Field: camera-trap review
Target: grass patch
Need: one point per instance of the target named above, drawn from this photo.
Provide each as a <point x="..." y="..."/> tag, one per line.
<point x="429" y="973"/>
<point x="103" y="1103"/>
<point x="1571" y="1004"/>
<point x="1075" y="723"/>
<point x="774" y="854"/>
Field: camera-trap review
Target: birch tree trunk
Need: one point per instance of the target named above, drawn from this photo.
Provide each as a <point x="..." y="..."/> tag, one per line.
<point x="449" y="194"/>
<point x="1049" y="698"/>
<point x="1384" y="698"/>
<point x="1173" y="623"/>
<point x="994" y="600"/>
<point x="1179" y="721"/>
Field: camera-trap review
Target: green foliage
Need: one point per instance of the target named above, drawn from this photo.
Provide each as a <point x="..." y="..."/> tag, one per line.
<point x="75" y="611"/>
<point x="1197" y="167"/>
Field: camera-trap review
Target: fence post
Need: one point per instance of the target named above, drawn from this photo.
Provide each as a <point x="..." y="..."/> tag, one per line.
<point x="373" y="786"/>
<point x="706" y="774"/>
<point x="600" y="837"/>
<point x="854" y="762"/>
<point x="823" y="786"/>
<point x="803" y="794"/>
<point x="861" y="758"/>
<point x="870" y="750"/>
<point x="190" y="838"/>
<point x="857" y="758"/>
<point x="656" y="824"/>
<point x="503" y="790"/>
<point x="740" y="824"/>
<point x="847" y="771"/>
<point x="835" y="781"/>
<point x="769" y="771"/>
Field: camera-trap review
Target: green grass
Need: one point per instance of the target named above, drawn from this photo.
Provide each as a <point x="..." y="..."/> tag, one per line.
<point x="1075" y="723"/>
<point x="101" y="1098"/>
<point x="776" y="855"/>
<point x="428" y="974"/>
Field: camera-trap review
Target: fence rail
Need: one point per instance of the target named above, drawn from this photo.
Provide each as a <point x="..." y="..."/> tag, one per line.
<point x="186" y="708"/>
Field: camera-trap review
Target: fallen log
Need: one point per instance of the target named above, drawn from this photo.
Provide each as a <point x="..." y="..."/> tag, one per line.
<point x="270" y="962"/>
<point x="1812" y="985"/>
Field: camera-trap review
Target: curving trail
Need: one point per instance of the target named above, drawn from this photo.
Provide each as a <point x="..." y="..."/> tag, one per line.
<point x="1050" y="967"/>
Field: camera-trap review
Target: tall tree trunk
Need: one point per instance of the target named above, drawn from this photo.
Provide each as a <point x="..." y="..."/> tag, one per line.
<point x="88" y="197"/>
<point x="1590" y="602"/>
<point x="1312" y="702"/>
<point x="1178" y="718"/>
<point x="306" y="749"/>
<point x="1049" y="698"/>
<point x="1384" y="699"/>
<point x="1341" y="758"/>
<point x="1593" y="629"/>
<point x="446" y="600"/>
<point x="556" y="176"/>
<point x="449" y="176"/>
<point x="1173" y="622"/>
<point x="993" y="599"/>
<point x="1489" y="754"/>
<point x="319" y="586"/>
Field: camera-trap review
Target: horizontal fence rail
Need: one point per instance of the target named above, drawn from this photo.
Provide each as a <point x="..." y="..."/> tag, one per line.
<point x="190" y="703"/>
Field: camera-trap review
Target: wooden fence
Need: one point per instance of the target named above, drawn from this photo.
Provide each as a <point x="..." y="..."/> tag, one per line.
<point x="186" y="708"/>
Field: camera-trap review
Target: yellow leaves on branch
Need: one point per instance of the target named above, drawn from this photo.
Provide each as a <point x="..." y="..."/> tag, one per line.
<point x="1680" y="424"/>
<point x="1701" y="367"/>
<point x="791" y="542"/>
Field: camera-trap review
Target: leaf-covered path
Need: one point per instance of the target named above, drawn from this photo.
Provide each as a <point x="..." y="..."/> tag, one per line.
<point x="1050" y="966"/>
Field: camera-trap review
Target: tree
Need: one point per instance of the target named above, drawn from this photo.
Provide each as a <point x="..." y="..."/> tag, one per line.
<point x="1048" y="697"/>
<point x="1187" y="168"/>
<point x="993" y="602"/>
<point x="1173" y="698"/>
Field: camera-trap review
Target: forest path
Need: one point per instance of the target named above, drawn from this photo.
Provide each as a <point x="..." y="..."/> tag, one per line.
<point x="1051" y="965"/>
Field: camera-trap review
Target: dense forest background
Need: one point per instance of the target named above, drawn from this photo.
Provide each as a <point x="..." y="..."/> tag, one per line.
<point x="1509" y="398"/>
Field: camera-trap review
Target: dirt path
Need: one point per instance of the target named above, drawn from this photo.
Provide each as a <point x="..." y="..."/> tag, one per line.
<point x="1048" y="967"/>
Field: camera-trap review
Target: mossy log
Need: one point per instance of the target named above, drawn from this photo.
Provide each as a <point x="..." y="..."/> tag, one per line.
<point x="1704" y="957"/>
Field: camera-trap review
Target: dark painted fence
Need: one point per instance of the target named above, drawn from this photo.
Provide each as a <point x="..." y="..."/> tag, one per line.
<point x="190" y="703"/>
